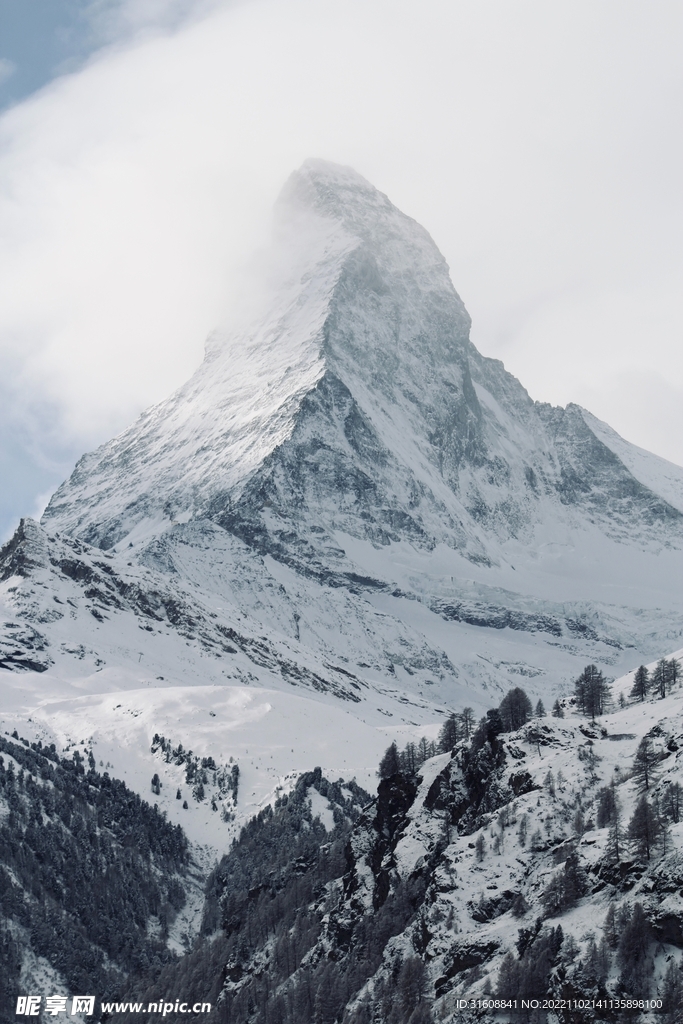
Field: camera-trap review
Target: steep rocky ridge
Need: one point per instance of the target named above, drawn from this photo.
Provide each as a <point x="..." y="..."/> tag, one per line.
<point x="487" y="875"/>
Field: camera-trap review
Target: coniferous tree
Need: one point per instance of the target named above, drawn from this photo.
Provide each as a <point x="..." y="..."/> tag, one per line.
<point x="450" y="734"/>
<point x="660" y="678"/>
<point x="641" y="684"/>
<point x="673" y="802"/>
<point x="607" y="805"/>
<point x="672" y="994"/>
<point x="508" y="977"/>
<point x="633" y="954"/>
<point x="592" y="692"/>
<point x="515" y="709"/>
<point x="644" y="829"/>
<point x="540" y="709"/>
<point x="614" y="838"/>
<point x="674" y="672"/>
<point x="645" y="764"/>
<point x="467" y="719"/>
<point x="390" y="764"/>
<point x="557" y="711"/>
<point x="610" y="927"/>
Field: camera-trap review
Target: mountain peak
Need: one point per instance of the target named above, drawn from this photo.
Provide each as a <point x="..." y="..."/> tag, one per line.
<point x="333" y="190"/>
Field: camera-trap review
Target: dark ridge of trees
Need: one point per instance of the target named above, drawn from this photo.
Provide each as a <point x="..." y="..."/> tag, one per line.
<point x="592" y="692"/>
<point x="274" y="890"/>
<point x="82" y="855"/>
<point x="407" y="761"/>
<point x="456" y="729"/>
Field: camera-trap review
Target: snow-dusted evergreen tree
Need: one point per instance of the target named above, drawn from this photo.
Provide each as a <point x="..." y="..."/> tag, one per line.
<point x="390" y="763"/>
<point x="615" y="843"/>
<point x="450" y="734"/>
<point x="645" y="764"/>
<point x="660" y="678"/>
<point x="641" y="684"/>
<point x="644" y="829"/>
<point x="540" y="709"/>
<point x="557" y="711"/>
<point x="610" y="927"/>
<point x="672" y="802"/>
<point x="633" y="954"/>
<point x="467" y="719"/>
<point x="515" y="709"/>
<point x="592" y="692"/>
<point x="608" y="803"/>
<point x="671" y="993"/>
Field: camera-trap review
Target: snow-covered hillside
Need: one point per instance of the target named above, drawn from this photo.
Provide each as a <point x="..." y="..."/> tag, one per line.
<point x="532" y="874"/>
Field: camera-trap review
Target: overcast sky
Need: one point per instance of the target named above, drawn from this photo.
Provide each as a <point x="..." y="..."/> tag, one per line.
<point x="142" y="147"/>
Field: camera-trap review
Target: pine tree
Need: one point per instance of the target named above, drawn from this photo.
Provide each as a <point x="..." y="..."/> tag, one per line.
<point x="672" y="993"/>
<point x="614" y="838"/>
<point x="515" y="709"/>
<point x="641" y="684"/>
<point x="645" y="764"/>
<point x="632" y="954"/>
<point x="557" y="711"/>
<point x="592" y="692"/>
<point x="673" y="801"/>
<point x="674" y="672"/>
<point x="467" y="719"/>
<point x="610" y="927"/>
<point x="449" y="735"/>
<point x="540" y="709"/>
<point x="480" y="847"/>
<point x="390" y="764"/>
<point x="644" y="829"/>
<point x="660" y="678"/>
<point x="607" y="802"/>
<point x="549" y="783"/>
<point x="508" y="978"/>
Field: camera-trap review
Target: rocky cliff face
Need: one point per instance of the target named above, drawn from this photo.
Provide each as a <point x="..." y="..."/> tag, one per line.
<point x="487" y="877"/>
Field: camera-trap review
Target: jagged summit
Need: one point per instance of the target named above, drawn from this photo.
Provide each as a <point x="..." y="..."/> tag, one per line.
<point x="368" y="314"/>
<point x="356" y="402"/>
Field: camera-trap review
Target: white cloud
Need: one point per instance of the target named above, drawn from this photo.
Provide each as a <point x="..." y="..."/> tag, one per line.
<point x="534" y="141"/>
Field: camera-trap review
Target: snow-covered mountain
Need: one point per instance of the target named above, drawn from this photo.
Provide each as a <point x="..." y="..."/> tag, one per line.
<point x="347" y="506"/>
<point x="346" y="525"/>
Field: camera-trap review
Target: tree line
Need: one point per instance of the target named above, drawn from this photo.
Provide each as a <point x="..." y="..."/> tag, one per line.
<point x="82" y="856"/>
